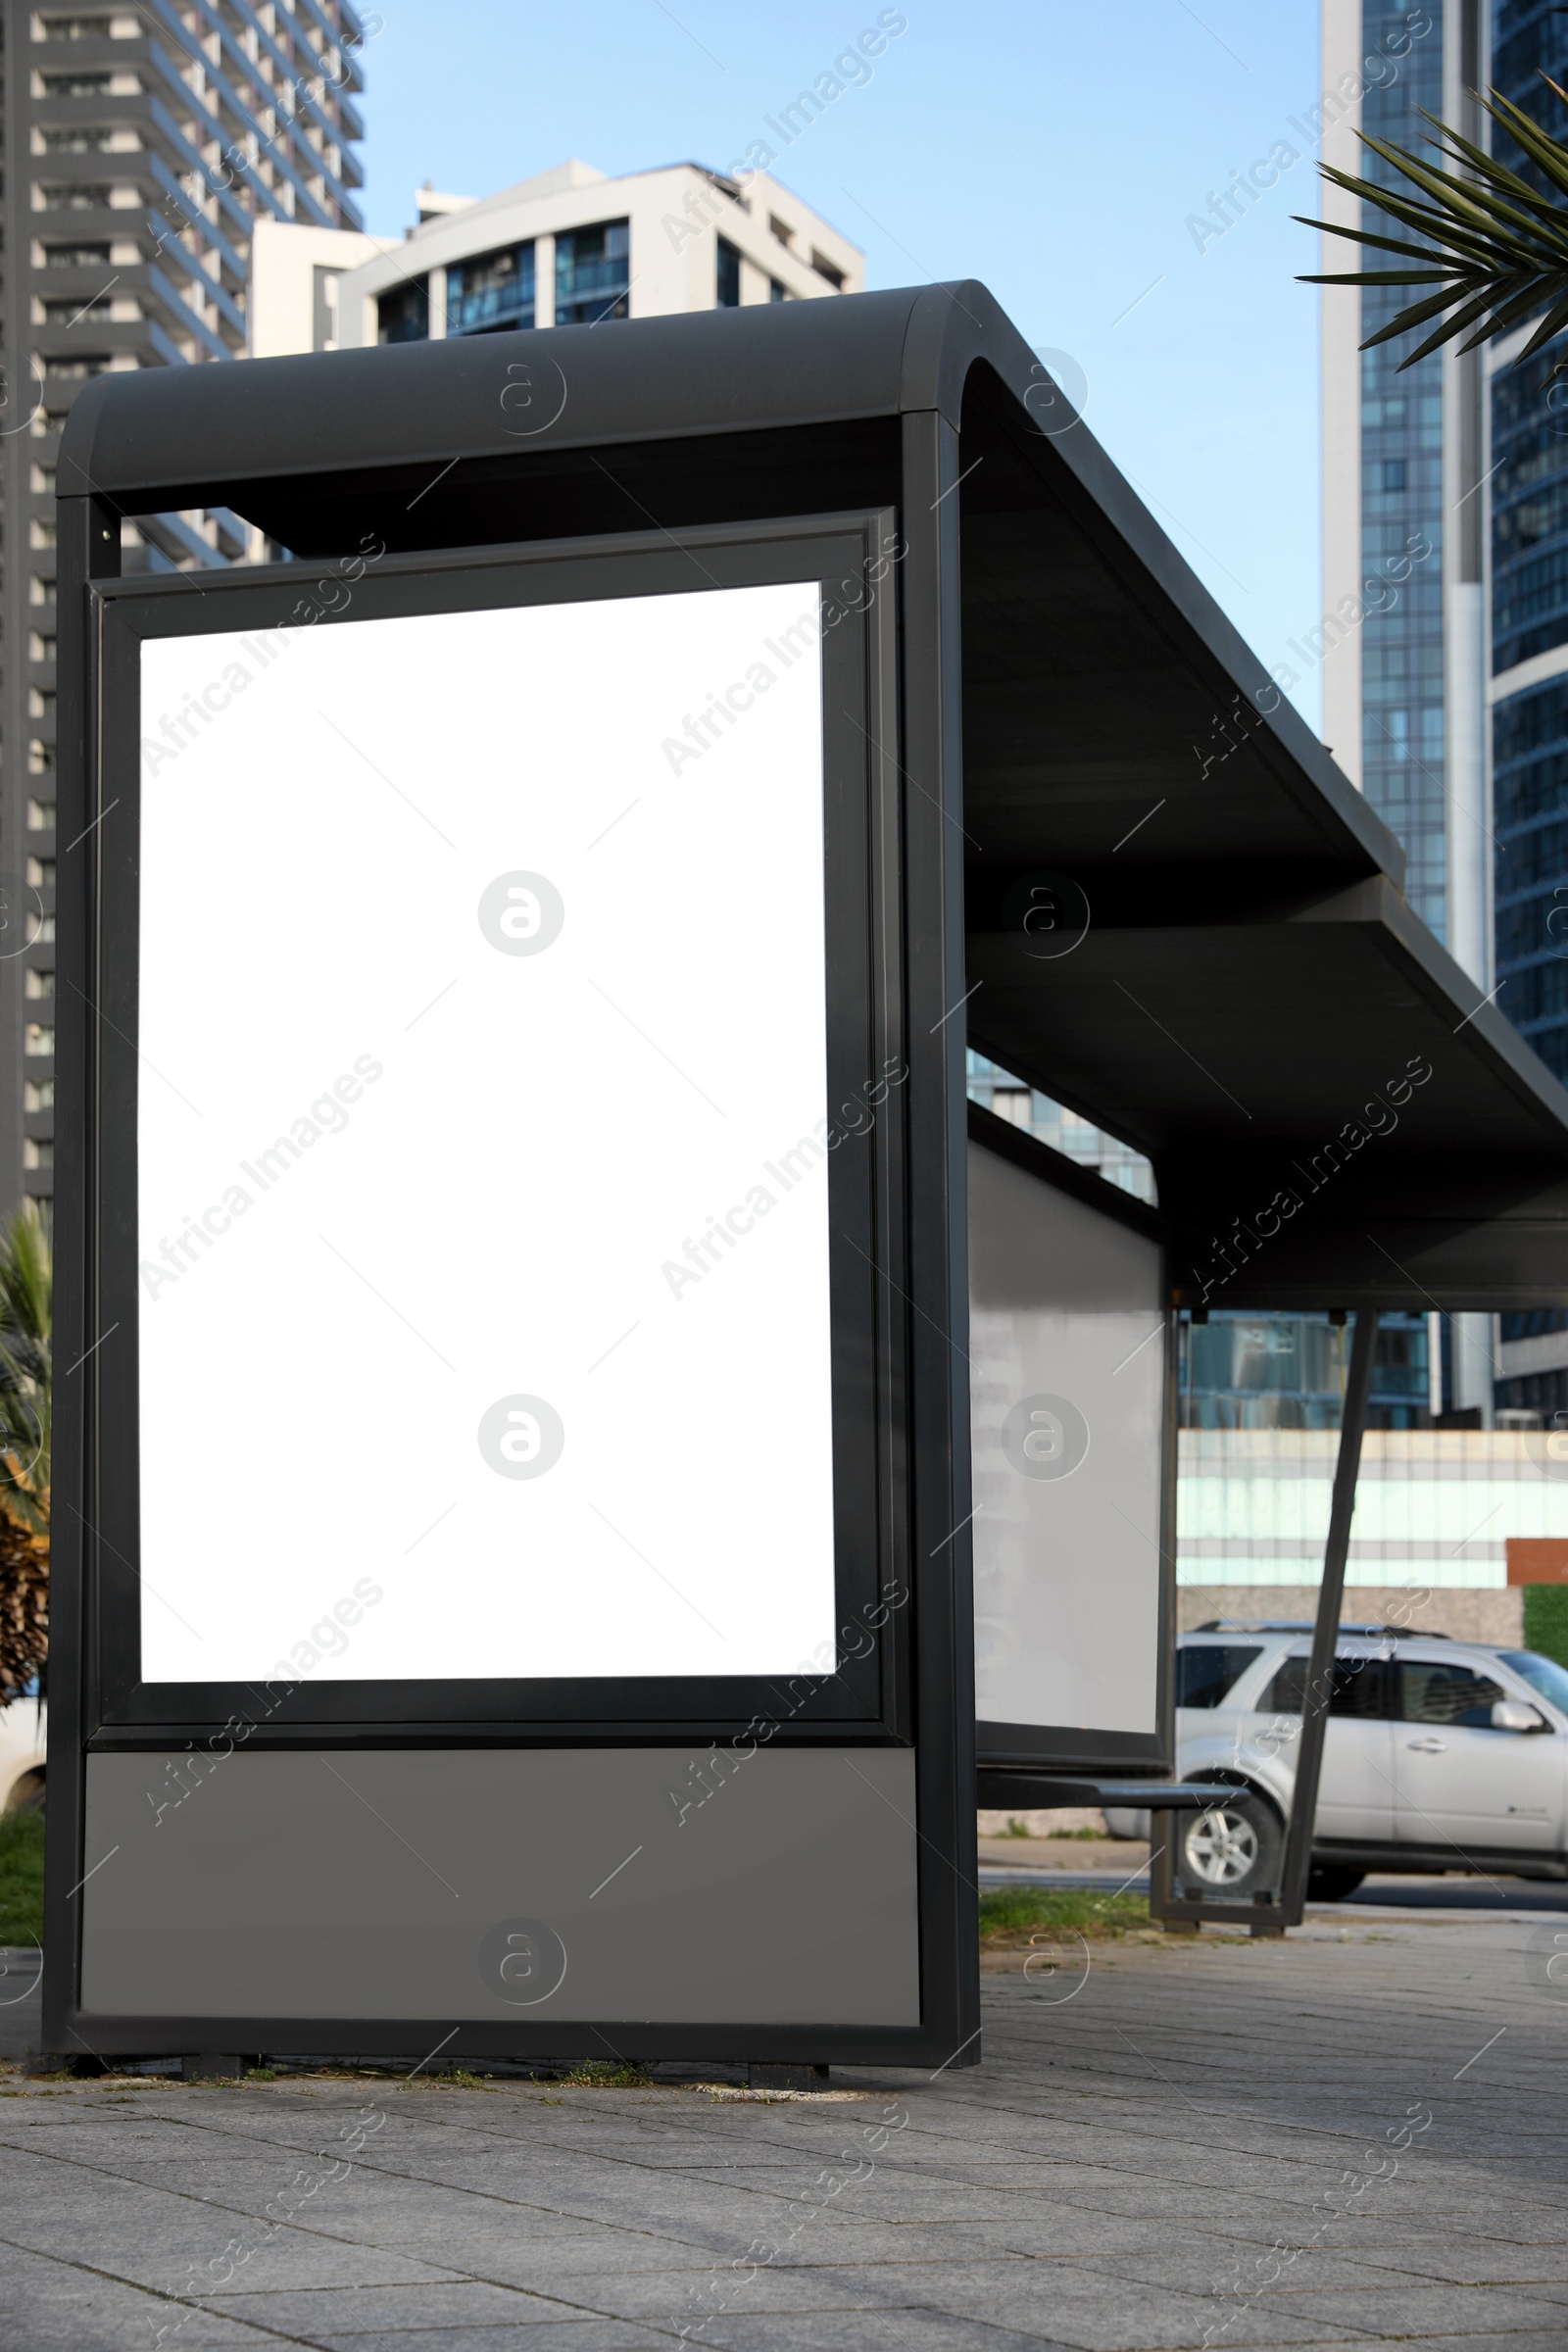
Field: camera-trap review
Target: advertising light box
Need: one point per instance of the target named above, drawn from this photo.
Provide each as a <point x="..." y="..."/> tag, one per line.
<point x="482" y="1201"/>
<point x="495" y="1456"/>
<point x="497" y="1109"/>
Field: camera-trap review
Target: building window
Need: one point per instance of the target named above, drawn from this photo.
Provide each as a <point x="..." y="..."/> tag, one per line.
<point x="68" y="310"/>
<point x="40" y="1040"/>
<point x="76" y="257"/>
<point x="80" y="139"/>
<point x="1394" y="473"/>
<point x="777" y="292"/>
<point x="403" y="314"/>
<point x="76" y="85"/>
<point x="493" y="293"/>
<point x="38" y="1094"/>
<point x="593" y="275"/>
<point x="37" y="1153"/>
<point x="1256" y="1372"/>
<point x="38" y="984"/>
<point x="781" y="229"/>
<point x="79" y="29"/>
<point x="40" y="816"/>
<point x="828" y="270"/>
<point x="729" y="275"/>
<point x="40" y="874"/>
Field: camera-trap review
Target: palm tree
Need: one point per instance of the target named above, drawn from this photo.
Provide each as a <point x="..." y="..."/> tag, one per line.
<point x="1494" y="248"/>
<point x="26" y="1313"/>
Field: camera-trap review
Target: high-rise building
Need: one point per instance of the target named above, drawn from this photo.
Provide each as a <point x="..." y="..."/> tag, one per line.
<point x="1404" y="517"/>
<point x="1528" y="495"/>
<point x="140" y="146"/>
<point x="1407" y="505"/>
<point x="1448" y="703"/>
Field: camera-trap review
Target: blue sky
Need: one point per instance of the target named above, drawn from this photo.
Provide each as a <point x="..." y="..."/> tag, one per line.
<point x="1051" y="148"/>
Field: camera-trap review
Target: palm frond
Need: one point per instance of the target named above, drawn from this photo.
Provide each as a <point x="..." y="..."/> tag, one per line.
<point x="1494" y="247"/>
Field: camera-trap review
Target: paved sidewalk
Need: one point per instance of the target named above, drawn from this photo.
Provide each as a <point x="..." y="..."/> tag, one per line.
<point x="1349" y="2138"/>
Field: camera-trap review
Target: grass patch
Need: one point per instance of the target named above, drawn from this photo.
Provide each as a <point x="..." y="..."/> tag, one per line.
<point x="21" y="1877"/>
<point x="1546" y="1620"/>
<point x="1009" y="1914"/>
<point x="598" y="2074"/>
<point x="1018" y="1828"/>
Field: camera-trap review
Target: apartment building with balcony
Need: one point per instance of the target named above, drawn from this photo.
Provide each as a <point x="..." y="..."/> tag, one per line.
<point x="139" y="147"/>
<point x="569" y="246"/>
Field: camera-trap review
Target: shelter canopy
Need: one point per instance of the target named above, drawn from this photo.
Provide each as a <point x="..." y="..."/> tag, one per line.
<point x="1335" y="1116"/>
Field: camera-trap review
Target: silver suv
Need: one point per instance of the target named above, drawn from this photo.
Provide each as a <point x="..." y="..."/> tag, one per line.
<point x="1438" y="1755"/>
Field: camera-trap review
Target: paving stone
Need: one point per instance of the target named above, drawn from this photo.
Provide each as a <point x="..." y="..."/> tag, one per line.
<point x="545" y="2335"/>
<point x="911" y="2326"/>
<point x="51" y="2305"/>
<point x="1094" y="2183"/>
<point x="318" y="2314"/>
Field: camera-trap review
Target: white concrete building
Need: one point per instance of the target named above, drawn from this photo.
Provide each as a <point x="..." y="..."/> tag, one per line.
<point x="569" y="246"/>
<point x="1450" y="1526"/>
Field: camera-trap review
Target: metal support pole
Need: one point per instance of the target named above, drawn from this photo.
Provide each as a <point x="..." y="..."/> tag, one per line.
<point x="1325" y="1634"/>
<point x="88" y="529"/>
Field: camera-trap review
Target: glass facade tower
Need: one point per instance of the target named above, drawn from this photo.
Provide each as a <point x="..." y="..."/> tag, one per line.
<point x="1528" y="493"/>
<point x="1528" y="515"/>
<point x="1403" y="746"/>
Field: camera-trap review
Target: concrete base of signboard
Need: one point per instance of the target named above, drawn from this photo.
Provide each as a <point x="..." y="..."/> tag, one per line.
<point x="518" y="1887"/>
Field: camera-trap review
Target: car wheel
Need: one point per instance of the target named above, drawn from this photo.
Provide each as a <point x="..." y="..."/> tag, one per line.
<point x="1232" y="1849"/>
<point x="1332" y="1882"/>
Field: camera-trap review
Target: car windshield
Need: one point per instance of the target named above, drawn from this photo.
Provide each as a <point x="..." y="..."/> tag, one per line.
<point x="1541" y="1674"/>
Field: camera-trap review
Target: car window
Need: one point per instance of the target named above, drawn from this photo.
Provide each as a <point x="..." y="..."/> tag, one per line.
<point x="1357" y="1688"/>
<point x="1541" y="1674"/>
<point x="1431" y="1691"/>
<point x="1206" y="1670"/>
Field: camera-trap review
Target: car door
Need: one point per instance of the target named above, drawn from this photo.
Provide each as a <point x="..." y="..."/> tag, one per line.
<point x="1458" y="1781"/>
<point x="1356" y="1785"/>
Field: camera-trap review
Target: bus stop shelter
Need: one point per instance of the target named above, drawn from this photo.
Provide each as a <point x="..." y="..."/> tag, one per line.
<point x="577" y="1449"/>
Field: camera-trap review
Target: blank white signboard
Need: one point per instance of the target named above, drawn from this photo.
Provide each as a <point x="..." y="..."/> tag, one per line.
<point x="1068" y="1403"/>
<point x="482" y="1332"/>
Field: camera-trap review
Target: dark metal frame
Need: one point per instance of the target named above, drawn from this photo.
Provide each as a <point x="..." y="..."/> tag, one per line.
<point x="911" y="1691"/>
<point x="1273" y="1917"/>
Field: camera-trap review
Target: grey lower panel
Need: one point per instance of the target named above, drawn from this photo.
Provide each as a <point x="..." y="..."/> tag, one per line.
<point x="473" y="1882"/>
